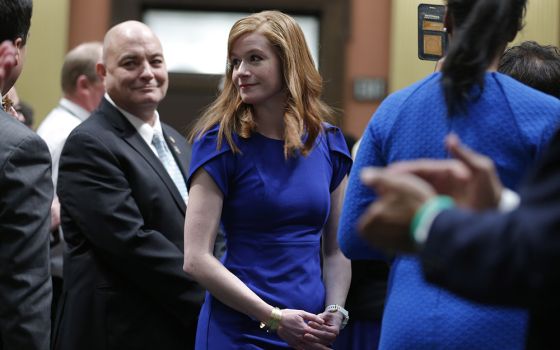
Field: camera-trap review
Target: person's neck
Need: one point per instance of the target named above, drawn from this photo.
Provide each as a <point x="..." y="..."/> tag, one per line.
<point x="146" y="116"/>
<point x="146" y="113"/>
<point x="493" y="67"/>
<point x="79" y="101"/>
<point x="270" y="121"/>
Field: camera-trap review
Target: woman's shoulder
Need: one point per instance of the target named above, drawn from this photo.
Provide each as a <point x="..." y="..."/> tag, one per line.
<point x="335" y="139"/>
<point x="209" y="141"/>
<point x="209" y="134"/>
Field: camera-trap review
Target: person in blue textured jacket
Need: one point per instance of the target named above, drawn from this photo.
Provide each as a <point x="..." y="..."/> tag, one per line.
<point x="493" y="114"/>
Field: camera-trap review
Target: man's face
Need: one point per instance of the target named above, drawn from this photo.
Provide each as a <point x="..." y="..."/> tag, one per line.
<point x="135" y="71"/>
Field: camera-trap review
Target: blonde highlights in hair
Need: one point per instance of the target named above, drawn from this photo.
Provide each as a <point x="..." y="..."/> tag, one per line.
<point x="305" y="111"/>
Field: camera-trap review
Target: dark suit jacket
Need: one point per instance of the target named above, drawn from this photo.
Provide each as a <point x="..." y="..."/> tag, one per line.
<point x="511" y="259"/>
<point x="123" y="219"/>
<point x="26" y="193"/>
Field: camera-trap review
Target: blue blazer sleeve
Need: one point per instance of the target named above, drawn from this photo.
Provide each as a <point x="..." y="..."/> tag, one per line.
<point x="509" y="258"/>
<point x="357" y="198"/>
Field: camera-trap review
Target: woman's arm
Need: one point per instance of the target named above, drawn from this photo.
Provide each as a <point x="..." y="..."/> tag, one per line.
<point x="337" y="273"/>
<point x="337" y="268"/>
<point x="201" y="224"/>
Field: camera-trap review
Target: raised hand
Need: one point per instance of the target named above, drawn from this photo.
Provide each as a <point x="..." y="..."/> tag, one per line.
<point x="449" y="177"/>
<point x="484" y="188"/>
<point x="386" y="222"/>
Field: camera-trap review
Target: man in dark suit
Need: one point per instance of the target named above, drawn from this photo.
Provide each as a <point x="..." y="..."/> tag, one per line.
<point x="123" y="198"/>
<point x="25" y="196"/>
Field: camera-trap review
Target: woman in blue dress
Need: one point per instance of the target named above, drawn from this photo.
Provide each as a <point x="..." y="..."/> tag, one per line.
<point x="269" y="170"/>
<point x="494" y="115"/>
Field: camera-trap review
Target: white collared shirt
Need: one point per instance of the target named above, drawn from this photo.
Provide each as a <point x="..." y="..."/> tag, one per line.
<point x="144" y="129"/>
<point x="56" y="127"/>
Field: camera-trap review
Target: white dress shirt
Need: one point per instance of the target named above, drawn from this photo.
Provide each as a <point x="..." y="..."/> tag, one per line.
<point x="56" y="127"/>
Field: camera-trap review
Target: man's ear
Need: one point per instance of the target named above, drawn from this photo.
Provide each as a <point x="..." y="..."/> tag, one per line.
<point x="101" y="70"/>
<point x="82" y="82"/>
<point x="18" y="43"/>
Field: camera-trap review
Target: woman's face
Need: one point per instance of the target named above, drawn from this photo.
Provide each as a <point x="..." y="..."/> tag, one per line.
<point x="256" y="70"/>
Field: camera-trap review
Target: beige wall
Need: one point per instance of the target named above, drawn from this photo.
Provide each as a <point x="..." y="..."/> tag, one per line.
<point x="405" y="66"/>
<point x="39" y="83"/>
<point x="542" y="25"/>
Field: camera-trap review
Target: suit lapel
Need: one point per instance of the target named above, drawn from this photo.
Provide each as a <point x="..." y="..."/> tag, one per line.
<point x="133" y="138"/>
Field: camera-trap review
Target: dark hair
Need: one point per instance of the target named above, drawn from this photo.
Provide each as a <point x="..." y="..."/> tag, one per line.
<point x="535" y="65"/>
<point x="15" y="19"/>
<point x="481" y="28"/>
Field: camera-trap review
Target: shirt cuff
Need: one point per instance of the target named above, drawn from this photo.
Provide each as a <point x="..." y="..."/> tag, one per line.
<point x="425" y="216"/>
<point x="509" y="200"/>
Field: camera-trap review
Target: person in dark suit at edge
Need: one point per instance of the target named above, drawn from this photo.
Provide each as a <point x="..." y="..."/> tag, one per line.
<point x="123" y="198"/>
<point x="25" y="195"/>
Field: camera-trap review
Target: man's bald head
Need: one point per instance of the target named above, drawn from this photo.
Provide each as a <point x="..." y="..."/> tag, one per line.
<point x="123" y="30"/>
<point x="134" y="68"/>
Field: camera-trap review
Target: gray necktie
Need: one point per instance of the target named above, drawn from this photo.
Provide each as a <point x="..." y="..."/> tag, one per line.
<point x="170" y="165"/>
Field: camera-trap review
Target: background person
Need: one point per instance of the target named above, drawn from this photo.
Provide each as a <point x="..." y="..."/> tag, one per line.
<point x="535" y="65"/>
<point x="82" y="91"/>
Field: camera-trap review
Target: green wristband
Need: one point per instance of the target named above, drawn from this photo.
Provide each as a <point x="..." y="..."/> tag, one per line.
<point x="427" y="212"/>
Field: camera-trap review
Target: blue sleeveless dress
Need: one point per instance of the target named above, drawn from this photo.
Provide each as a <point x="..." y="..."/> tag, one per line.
<point x="273" y="214"/>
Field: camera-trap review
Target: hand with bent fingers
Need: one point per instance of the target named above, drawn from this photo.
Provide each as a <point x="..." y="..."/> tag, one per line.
<point x="386" y="222"/>
<point x="484" y="189"/>
<point x="448" y="177"/>
<point x="327" y="332"/>
<point x="294" y="325"/>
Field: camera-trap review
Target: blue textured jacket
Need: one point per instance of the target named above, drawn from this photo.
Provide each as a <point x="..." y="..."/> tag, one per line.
<point x="509" y="122"/>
